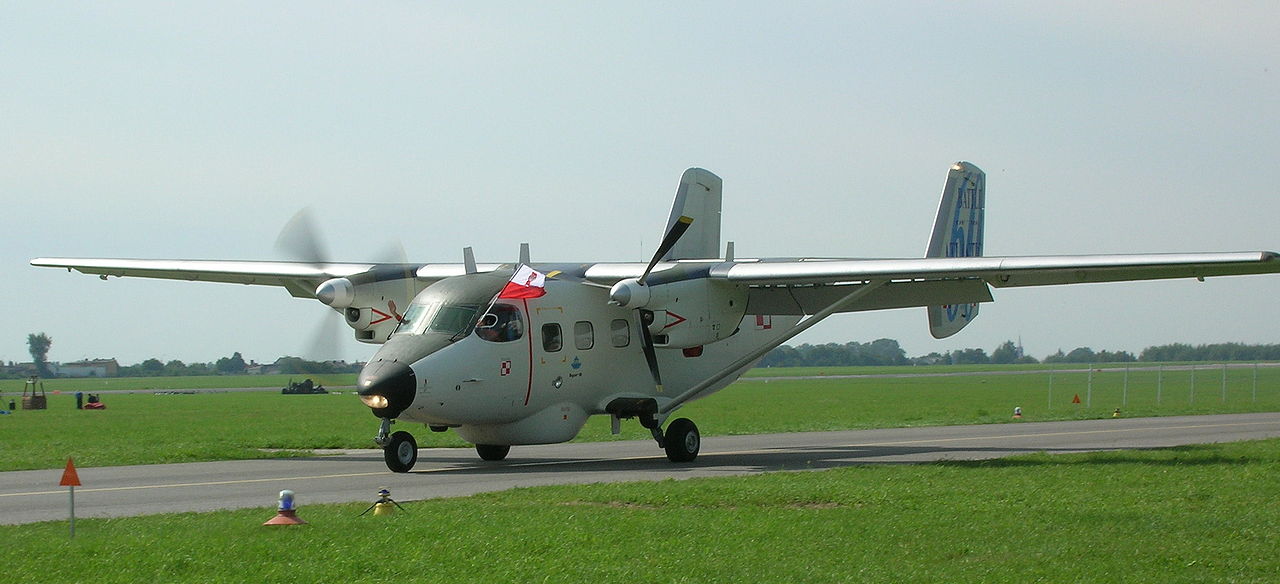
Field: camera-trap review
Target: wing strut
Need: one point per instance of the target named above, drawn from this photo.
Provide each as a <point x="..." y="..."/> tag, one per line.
<point x="800" y="327"/>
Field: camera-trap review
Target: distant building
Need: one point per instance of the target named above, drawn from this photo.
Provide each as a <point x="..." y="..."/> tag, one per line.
<point x="16" y="370"/>
<point x="87" y="368"/>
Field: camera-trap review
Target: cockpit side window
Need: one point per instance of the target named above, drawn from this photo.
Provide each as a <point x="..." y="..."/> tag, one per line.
<point x="502" y="324"/>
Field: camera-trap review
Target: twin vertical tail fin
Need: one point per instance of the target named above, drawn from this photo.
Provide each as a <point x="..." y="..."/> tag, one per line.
<point x="957" y="232"/>
<point x="697" y="197"/>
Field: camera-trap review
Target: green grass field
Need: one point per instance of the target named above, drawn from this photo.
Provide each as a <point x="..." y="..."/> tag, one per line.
<point x="90" y="384"/>
<point x="1189" y="514"/>
<point x="146" y="428"/>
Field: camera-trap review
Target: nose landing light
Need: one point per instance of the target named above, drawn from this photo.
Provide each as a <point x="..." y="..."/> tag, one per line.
<point x="387" y="387"/>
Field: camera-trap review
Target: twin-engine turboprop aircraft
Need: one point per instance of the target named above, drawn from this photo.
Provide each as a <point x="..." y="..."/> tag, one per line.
<point x="524" y="353"/>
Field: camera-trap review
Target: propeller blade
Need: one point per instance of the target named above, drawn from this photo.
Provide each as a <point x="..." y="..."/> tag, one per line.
<point x="300" y="240"/>
<point x="393" y="253"/>
<point x="646" y="343"/>
<point x="325" y="342"/>
<point x="668" y="242"/>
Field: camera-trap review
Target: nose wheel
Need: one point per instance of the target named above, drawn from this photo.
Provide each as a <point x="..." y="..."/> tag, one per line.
<point x="400" y="452"/>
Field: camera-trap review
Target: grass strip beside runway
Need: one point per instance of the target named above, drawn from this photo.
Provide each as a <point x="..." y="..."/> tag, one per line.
<point x="1196" y="513"/>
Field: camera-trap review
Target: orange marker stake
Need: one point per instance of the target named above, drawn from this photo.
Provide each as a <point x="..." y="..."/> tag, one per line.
<point x="71" y="480"/>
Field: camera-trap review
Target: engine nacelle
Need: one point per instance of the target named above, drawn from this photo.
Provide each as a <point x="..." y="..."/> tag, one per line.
<point x="688" y="313"/>
<point x="372" y="302"/>
<point x="337" y="292"/>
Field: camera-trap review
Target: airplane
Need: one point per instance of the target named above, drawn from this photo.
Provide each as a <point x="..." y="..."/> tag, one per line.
<point x="523" y="353"/>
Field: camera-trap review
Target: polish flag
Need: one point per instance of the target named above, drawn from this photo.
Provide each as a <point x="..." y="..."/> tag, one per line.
<point x="526" y="283"/>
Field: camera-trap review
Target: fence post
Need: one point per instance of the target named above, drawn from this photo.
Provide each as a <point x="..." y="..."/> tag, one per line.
<point x="1124" y="399"/>
<point x="1192" y="399"/>
<point x="1159" y="382"/>
<point x="1088" y="400"/>
<point x="1051" y="386"/>
<point x="1224" y="383"/>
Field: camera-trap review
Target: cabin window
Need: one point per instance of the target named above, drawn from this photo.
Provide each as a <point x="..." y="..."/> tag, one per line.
<point x="584" y="335"/>
<point x="620" y="332"/>
<point x="552" y="339"/>
<point x="502" y="324"/>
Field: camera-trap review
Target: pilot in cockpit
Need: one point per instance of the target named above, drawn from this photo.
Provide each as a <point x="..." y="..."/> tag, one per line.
<point x="503" y="323"/>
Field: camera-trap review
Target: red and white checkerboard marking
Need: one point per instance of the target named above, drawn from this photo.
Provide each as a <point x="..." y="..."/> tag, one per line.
<point x="505" y="368"/>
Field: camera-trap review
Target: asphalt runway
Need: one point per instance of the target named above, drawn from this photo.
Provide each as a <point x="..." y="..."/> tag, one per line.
<point x="355" y="476"/>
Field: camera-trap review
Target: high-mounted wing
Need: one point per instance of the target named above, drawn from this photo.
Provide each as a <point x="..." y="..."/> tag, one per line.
<point x="371" y="296"/>
<point x="805" y="286"/>
<point x="299" y="278"/>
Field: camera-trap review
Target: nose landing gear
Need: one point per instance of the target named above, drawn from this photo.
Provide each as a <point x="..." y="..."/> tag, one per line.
<point x="399" y="450"/>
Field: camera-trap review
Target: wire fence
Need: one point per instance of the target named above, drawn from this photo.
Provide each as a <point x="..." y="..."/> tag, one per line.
<point x="1154" y="386"/>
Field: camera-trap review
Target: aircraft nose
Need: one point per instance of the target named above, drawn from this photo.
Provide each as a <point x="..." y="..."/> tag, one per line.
<point x="387" y="387"/>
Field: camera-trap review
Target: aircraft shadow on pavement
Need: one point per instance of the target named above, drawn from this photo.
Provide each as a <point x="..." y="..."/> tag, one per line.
<point x="787" y="458"/>
<point x="796" y="458"/>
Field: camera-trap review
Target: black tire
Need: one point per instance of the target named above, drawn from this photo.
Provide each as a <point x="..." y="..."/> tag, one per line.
<point x="493" y="451"/>
<point x="401" y="452"/>
<point x="682" y="440"/>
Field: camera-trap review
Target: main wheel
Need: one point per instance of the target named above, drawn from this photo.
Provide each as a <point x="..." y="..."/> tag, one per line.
<point x="682" y="440"/>
<point x="493" y="451"/>
<point x="401" y="452"/>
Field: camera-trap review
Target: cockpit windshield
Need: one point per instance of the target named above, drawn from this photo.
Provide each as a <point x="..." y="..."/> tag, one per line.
<point x="451" y="306"/>
<point x="435" y="317"/>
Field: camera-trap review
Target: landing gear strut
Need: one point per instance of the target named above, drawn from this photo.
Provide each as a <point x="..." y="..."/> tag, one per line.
<point x="681" y="440"/>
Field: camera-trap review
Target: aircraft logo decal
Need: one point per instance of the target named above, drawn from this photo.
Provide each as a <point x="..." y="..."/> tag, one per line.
<point x="391" y="307"/>
<point x="965" y="242"/>
<point x="678" y="319"/>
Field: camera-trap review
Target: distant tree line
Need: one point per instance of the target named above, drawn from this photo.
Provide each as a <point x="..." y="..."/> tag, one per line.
<point x="233" y="365"/>
<point x="1214" y="352"/>
<point x="888" y="352"/>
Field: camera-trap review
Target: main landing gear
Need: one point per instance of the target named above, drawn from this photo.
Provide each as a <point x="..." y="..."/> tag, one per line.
<point x="493" y="451"/>
<point x="681" y="440"/>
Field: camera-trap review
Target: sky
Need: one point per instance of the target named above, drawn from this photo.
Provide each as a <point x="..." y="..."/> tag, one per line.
<point x="196" y="130"/>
